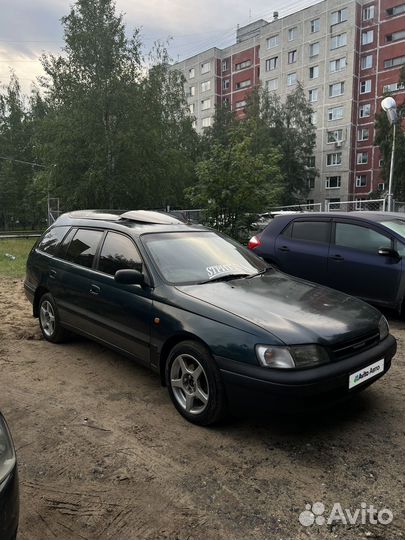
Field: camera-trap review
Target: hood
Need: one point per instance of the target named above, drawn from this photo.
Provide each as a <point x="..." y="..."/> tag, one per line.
<point x="291" y="309"/>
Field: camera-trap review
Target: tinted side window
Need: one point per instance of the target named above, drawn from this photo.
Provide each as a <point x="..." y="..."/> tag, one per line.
<point x="83" y="247"/>
<point x="311" y="231"/>
<point x="51" y="240"/>
<point x="118" y="253"/>
<point x="361" y="238"/>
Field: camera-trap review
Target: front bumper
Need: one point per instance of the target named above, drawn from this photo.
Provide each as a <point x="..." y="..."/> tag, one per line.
<point x="250" y="384"/>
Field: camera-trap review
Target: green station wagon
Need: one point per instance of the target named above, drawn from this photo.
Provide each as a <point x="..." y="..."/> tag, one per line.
<point x="220" y="326"/>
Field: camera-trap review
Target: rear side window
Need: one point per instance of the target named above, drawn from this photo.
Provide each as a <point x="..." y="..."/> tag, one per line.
<point x="83" y="247"/>
<point x="118" y="253"/>
<point x="311" y="231"/>
<point x="361" y="238"/>
<point x="51" y="240"/>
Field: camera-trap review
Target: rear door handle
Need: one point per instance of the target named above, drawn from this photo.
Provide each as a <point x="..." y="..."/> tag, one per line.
<point x="94" y="289"/>
<point x="52" y="274"/>
<point x="284" y="248"/>
<point x="337" y="258"/>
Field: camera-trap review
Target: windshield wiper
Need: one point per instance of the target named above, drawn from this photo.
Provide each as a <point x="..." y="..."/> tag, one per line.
<point x="261" y="273"/>
<point x="227" y="277"/>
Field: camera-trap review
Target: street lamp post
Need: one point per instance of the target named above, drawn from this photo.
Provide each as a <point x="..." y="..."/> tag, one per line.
<point x="390" y="107"/>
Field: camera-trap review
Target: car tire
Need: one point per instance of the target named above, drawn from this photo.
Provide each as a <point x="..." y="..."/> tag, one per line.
<point x="194" y="383"/>
<point x="49" y="320"/>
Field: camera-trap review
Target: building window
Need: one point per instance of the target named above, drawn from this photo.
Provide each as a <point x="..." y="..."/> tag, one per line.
<point x="311" y="183"/>
<point x="315" y="25"/>
<point x="205" y="104"/>
<point x="394" y="87"/>
<point x="313" y="95"/>
<point x="225" y="84"/>
<point x="367" y="61"/>
<point x="292" y="33"/>
<point x="206" y="67"/>
<point x="336" y="89"/>
<point x="194" y="124"/>
<point x="192" y="108"/>
<point x="292" y="57"/>
<point x="338" y="16"/>
<point x="243" y="84"/>
<point x="314" y="118"/>
<point x="381" y="186"/>
<point x="191" y="91"/>
<point x="336" y="113"/>
<point x="191" y="73"/>
<point x="272" y="41"/>
<point x="225" y="65"/>
<point x="333" y="182"/>
<point x="314" y="72"/>
<point x="334" y="159"/>
<point x="240" y="104"/>
<point x="394" y="62"/>
<point x="314" y="49"/>
<point x="338" y="41"/>
<point x="243" y="65"/>
<point x="291" y="79"/>
<point x="337" y="65"/>
<point x="205" y="86"/>
<point x="362" y="134"/>
<point x="396" y="10"/>
<point x="271" y="63"/>
<point x="368" y="13"/>
<point x="362" y="158"/>
<point x="364" y="110"/>
<point x="206" y="122"/>
<point x="361" y="180"/>
<point x="365" y="87"/>
<point x="335" y="136"/>
<point x="272" y="84"/>
<point x="367" y="37"/>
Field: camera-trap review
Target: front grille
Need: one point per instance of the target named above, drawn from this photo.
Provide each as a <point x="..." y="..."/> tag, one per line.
<point x="355" y="346"/>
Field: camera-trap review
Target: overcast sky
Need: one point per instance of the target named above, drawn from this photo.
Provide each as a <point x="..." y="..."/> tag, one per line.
<point x="30" y="27"/>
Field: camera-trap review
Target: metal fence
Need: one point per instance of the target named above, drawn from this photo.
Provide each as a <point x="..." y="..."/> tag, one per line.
<point x="399" y="206"/>
<point x="311" y="207"/>
<point x="356" y="205"/>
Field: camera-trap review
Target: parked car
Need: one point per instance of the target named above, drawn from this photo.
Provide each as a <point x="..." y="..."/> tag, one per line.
<point x="213" y="319"/>
<point x="360" y="253"/>
<point x="9" y="500"/>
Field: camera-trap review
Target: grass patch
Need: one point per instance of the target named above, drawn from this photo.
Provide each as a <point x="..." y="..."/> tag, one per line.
<point x="19" y="248"/>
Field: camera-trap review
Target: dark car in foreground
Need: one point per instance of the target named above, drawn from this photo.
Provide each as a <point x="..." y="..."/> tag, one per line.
<point x="213" y="319"/>
<point x="9" y="501"/>
<point x="359" y="253"/>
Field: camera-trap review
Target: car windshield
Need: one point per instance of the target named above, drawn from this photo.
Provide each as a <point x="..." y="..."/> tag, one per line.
<point x="199" y="257"/>
<point x="396" y="225"/>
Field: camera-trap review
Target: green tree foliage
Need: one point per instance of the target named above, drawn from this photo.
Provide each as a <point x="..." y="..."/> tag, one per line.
<point x="115" y="135"/>
<point x="16" y="135"/>
<point x="286" y="126"/>
<point x="383" y="139"/>
<point x="234" y="182"/>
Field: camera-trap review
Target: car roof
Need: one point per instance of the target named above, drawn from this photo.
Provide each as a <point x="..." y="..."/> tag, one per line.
<point x="357" y="214"/>
<point x="135" y="222"/>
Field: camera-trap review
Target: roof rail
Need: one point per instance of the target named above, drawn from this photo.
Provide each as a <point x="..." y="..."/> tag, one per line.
<point x="147" y="216"/>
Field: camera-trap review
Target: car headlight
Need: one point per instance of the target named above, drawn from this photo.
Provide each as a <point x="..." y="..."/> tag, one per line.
<point x="383" y="328"/>
<point x="7" y="454"/>
<point x="299" y="356"/>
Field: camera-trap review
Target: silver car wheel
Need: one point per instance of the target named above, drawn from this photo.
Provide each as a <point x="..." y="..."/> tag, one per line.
<point x="47" y="317"/>
<point x="189" y="384"/>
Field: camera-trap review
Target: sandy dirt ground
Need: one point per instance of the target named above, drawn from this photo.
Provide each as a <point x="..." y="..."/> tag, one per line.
<point x="103" y="454"/>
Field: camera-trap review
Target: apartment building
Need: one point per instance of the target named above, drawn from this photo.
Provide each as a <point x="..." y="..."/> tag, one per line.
<point x="345" y="53"/>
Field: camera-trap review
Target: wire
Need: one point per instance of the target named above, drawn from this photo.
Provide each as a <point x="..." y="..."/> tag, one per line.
<point x="24" y="162"/>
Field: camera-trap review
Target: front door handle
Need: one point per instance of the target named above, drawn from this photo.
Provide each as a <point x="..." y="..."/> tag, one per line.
<point x="94" y="289"/>
<point x="284" y="248"/>
<point x="337" y="258"/>
<point x="52" y="274"/>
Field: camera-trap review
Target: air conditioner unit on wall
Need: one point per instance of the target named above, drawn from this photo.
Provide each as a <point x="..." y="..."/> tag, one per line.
<point x="338" y="144"/>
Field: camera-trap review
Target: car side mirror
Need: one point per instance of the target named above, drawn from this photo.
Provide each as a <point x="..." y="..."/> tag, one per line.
<point x="388" y="252"/>
<point x="129" y="277"/>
